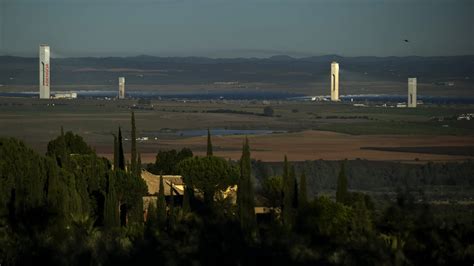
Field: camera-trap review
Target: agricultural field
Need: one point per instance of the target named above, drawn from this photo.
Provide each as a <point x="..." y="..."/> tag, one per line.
<point x="303" y="130"/>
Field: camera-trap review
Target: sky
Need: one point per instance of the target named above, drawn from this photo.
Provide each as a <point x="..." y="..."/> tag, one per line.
<point x="237" y="28"/>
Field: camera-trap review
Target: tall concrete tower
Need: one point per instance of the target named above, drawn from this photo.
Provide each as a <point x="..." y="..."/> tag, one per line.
<point x="44" y="68"/>
<point x="334" y="81"/>
<point x="121" y="88"/>
<point x="411" y="92"/>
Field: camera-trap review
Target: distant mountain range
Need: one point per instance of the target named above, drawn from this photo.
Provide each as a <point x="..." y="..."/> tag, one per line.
<point x="281" y="69"/>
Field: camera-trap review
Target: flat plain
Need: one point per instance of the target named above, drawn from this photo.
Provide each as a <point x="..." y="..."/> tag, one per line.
<point x="302" y="130"/>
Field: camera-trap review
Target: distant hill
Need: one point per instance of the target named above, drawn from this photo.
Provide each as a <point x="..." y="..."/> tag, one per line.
<point x="281" y="69"/>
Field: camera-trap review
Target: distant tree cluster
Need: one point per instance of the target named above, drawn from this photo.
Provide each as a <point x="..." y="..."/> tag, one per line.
<point x="268" y="111"/>
<point x="66" y="145"/>
<point x="373" y="175"/>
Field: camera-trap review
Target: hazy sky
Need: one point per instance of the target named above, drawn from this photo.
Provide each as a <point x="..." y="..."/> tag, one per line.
<point x="233" y="28"/>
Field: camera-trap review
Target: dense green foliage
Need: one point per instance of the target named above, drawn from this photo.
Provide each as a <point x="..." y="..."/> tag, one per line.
<point x="111" y="208"/>
<point x="133" y="149"/>
<point x="303" y="191"/>
<point x="67" y="144"/>
<point x="341" y="191"/>
<point x="166" y="161"/>
<point x="116" y="155"/>
<point x="375" y="175"/>
<point x="48" y="201"/>
<point x="208" y="175"/>
<point x="245" y="192"/>
<point x="290" y="194"/>
<point x="72" y="208"/>
<point x="121" y="156"/>
<point x="272" y="190"/>
<point x="161" y="204"/>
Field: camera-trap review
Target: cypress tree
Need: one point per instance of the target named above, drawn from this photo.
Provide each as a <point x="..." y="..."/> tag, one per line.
<point x="294" y="184"/>
<point x="135" y="188"/>
<point x="134" y="146"/>
<point x="341" y="192"/>
<point x="209" y="144"/>
<point x="161" y="203"/>
<point x="116" y="156"/>
<point x="111" y="212"/>
<point x="171" y="210"/>
<point x="171" y="197"/>
<point x="57" y="194"/>
<point x="186" y="199"/>
<point x="138" y="168"/>
<point x="121" y="157"/>
<point x="303" y="196"/>
<point x="288" y="189"/>
<point x="64" y="150"/>
<point x="76" y="204"/>
<point x="63" y="141"/>
<point x="151" y="216"/>
<point x="294" y="187"/>
<point x="245" y="192"/>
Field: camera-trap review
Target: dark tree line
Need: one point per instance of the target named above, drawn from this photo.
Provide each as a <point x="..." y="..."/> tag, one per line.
<point x="373" y="175"/>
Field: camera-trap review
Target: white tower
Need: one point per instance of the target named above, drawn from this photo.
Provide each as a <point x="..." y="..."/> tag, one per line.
<point x="411" y="92"/>
<point x="44" y="68"/>
<point x="121" y="88"/>
<point x="334" y="81"/>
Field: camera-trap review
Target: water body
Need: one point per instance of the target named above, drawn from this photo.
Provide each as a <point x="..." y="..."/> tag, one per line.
<point x="226" y="132"/>
<point x="214" y="132"/>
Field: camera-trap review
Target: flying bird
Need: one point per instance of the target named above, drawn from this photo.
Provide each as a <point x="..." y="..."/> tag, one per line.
<point x="406" y="40"/>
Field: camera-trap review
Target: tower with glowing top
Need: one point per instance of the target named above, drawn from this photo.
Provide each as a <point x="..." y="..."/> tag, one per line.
<point x="334" y="81"/>
<point x="121" y="82"/>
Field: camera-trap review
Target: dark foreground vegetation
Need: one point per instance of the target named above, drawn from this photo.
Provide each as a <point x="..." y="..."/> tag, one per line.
<point x="72" y="207"/>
